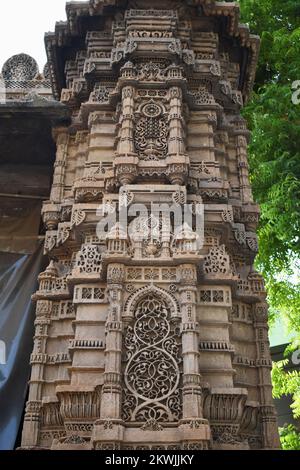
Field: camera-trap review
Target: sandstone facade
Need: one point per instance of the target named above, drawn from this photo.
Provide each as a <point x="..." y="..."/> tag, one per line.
<point x="155" y="341"/>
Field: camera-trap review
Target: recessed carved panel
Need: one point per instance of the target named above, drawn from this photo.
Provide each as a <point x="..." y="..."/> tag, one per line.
<point x="151" y="132"/>
<point x="152" y="375"/>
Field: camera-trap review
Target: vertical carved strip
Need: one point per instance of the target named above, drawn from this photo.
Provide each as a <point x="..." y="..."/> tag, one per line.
<point x="62" y="140"/>
<point x="192" y="392"/>
<point x="111" y="392"/>
<point x="176" y="138"/>
<point x="126" y="144"/>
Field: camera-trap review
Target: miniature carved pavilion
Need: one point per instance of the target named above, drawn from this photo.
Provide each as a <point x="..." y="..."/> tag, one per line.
<point x="142" y="344"/>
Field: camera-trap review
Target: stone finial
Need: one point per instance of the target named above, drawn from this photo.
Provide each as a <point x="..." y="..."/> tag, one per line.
<point x="20" y="67"/>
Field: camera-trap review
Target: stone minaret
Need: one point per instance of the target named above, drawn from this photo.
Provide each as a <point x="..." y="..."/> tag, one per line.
<point x="151" y="335"/>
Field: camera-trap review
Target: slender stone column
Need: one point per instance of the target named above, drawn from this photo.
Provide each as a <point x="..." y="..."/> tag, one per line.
<point x="192" y="406"/>
<point x="31" y="427"/>
<point x="51" y="208"/>
<point x="126" y="144"/>
<point x="264" y="363"/>
<point x="112" y="393"/>
<point x="108" y="431"/>
<point x="126" y="161"/>
<point x="62" y="140"/>
<point x="176" y="140"/>
<point x="82" y="145"/>
<point x="243" y="166"/>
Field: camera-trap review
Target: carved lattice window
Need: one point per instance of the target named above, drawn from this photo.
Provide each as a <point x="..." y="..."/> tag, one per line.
<point x="151" y="132"/>
<point x="152" y="372"/>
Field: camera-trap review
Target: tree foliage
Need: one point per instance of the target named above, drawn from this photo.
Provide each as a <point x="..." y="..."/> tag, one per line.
<point x="287" y="383"/>
<point x="275" y="124"/>
<point x="275" y="172"/>
<point x="290" y="438"/>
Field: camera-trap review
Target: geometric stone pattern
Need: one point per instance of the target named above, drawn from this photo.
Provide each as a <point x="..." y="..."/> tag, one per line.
<point x="20" y="68"/>
<point x="21" y="79"/>
<point x="139" y="343"/>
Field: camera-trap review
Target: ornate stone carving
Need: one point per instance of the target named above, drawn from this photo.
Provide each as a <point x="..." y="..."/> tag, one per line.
<point x="78" y="217"/>
<point x="152" y="374"/>
<point x="152" y="425"/>
<point x="144" y="332"/>
<point x="74" y="440"/>
<point x="151" y="132"/>
<point x="225" y="410"/>
<point x="115" y="274"/>
<point x="50" y="241"/>
<point x="63" y="233"/>
<point x="217" y="262"/>
<point x="100" y="94"/>
<point x="20" y="67"/>
<point x="90" y="295"/>
<point x="89" y="260"/>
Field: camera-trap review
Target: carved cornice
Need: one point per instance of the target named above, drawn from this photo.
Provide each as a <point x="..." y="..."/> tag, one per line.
<point x="66" y="32"/>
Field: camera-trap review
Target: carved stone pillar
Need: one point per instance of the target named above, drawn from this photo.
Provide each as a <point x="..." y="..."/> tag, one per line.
<point x="215" y="302"/>
<point x="177" y="159"/>
<point x="194" y="428"/>
<point x="51" y="209"/>
<point x="109" y="428"/>
<point x="243" y="169"/>
<point x="81" y="141"/>
<point x="62" y="140"/>
<point x="176" y="140"/>
<point x="166" y="240"/>
<point x="264" y="363"/>
<point x="38" y="360"/>
<point x="127" y="160"/>
<point x="192" y="406"/>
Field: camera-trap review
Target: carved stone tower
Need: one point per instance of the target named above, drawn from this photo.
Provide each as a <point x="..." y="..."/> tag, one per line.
<point x="147" y="338"/>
